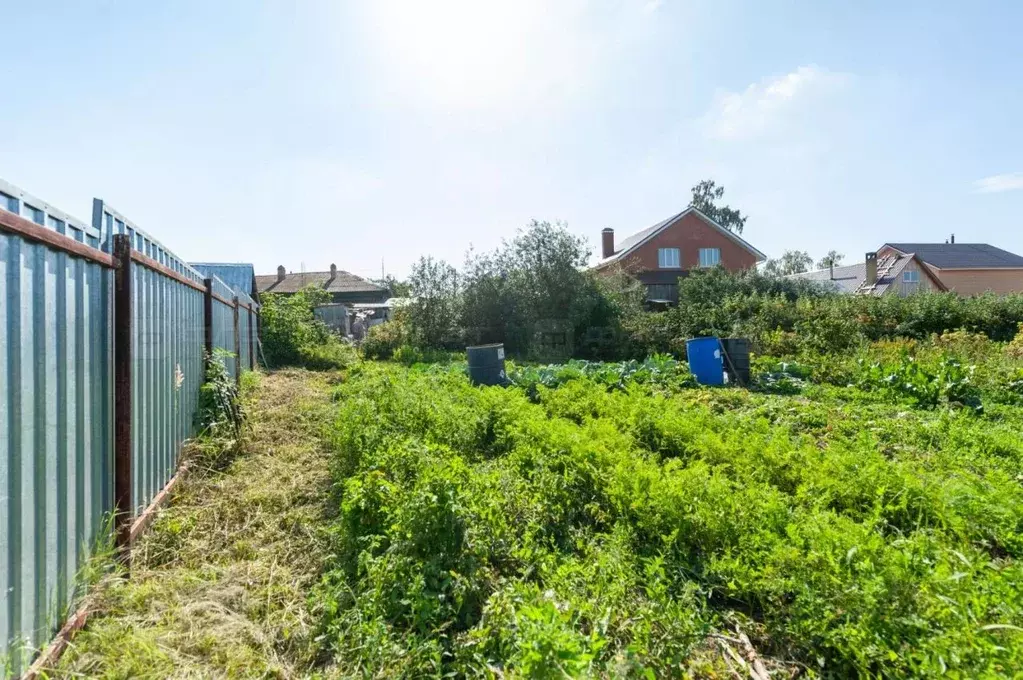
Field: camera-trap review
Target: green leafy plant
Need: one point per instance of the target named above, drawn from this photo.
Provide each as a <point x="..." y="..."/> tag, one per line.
<point x="384" y="339"/>
<point x="950" y="381"/>
<point x="292" y="336"/>
<point x="659" y="369"/>
<point x="220" y="411"/>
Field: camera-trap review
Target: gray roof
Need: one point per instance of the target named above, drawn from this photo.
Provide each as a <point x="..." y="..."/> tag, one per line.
<point x="961" y="255"/>
<point x="639" y="237"/>
<point x="849" y="278"/>
<point x="846" y="279"/>
<point x="344" y="282"/>
<point x="238" y="276"/>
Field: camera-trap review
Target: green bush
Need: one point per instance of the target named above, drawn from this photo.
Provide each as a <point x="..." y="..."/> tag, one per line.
<point x="383" y="339"/>
<point x="292" y="336"/>
<point x="708" y="287"/>
<point x="533" y="295"/>
<point x="789" y="318"/>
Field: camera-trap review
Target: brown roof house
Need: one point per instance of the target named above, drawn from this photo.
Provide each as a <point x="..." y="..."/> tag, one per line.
<point x="966" y="268"/>
<point x="342" y="286"/>
<point x="892" y="273"/>
<point x="659" y="255"/>
<point x="904" y="268"/>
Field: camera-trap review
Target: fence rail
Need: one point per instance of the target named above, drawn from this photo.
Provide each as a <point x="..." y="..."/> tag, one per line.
<point x="102" y="339"/>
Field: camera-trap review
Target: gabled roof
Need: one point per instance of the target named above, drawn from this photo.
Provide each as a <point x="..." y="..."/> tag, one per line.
<point x="636" y="240"/>
<point x="343" y="282"/>
<point x="237" y="275"/>
<point x="961" y="255"/>
<point x="849" y="278"/>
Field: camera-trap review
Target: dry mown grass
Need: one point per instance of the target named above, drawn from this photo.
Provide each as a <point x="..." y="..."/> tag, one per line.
<point x="219" y="585"/>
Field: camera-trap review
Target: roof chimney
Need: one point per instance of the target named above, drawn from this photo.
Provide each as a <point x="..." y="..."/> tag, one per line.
<point x="831" y="268"/>
<point x="333" y="271"/>
<point x="280" y="273"/>
<point x="871" y="278"/>
<point x="607" y="242"/>
<point x="953" y="238"/>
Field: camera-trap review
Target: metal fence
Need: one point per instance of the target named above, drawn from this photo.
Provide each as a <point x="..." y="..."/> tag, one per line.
<point x="83" y="432"/>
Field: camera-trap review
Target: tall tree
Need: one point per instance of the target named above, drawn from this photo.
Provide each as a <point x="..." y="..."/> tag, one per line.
<point x="705" y="195"/>
<point x="395" y="287"/>
<point x="433" y="312"/>
<point x="832" y="258"/>
<point x="790" y="262"/>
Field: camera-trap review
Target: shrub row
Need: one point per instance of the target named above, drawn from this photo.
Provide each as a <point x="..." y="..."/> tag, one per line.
<point x="600" y="317"/>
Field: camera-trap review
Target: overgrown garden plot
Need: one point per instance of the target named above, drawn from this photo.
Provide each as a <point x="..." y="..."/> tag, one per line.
<point x="857" y="515"/>
<point x="597" y="529"/>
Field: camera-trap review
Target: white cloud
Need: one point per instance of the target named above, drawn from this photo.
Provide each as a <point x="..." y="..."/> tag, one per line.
<point x="764" y="105"/>
<point x="995" y="184"/>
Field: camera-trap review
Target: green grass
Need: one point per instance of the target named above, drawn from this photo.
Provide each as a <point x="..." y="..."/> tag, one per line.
<point x="585" y="531"/>
<point x="218" y="586"/>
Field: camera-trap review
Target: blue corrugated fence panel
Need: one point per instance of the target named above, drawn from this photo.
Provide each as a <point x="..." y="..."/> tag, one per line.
<point x="56" y="401"/>
<point x="223" y="321"/>
<point x="55" y="423"/>
<point x="167" y="347"/>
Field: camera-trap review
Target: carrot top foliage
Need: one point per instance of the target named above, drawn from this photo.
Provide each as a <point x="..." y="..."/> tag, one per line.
<point x="583" y="526"/>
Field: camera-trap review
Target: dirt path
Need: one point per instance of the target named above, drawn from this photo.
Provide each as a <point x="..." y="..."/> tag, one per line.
<point x="219" y="585"/>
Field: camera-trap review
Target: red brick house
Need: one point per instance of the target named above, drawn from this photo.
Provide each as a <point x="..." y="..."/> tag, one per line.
<point x="659" y="255"/>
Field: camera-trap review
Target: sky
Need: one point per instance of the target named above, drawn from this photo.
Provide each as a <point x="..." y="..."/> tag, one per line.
<point x="368" y="134"/>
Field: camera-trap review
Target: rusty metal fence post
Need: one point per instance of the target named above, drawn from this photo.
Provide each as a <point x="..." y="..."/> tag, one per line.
<point x="207" y="313"/>
<point x="237" y="346"/>
<point x="123" y="502"/>
<point x="252" y="345"/>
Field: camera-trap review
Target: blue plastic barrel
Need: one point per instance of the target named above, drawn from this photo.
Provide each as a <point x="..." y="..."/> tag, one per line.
<point x="705" y="363"/>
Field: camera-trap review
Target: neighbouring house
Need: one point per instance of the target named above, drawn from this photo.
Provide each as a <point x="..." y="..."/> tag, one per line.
<point x="659" y="255"/>
<point x="905" y="268"/>
<point x="890" y="274"/>
<point x="966" y="268"/>
<point x="343" y="287"/>
<point x="238" y="276"/>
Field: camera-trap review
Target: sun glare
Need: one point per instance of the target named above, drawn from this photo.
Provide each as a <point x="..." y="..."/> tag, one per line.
<point x="476" y="54"/>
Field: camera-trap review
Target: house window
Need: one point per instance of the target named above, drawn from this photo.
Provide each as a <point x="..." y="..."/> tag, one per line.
<point x="668" y="258"/>
<point x="910" y="281"/>
<point x="710" y="257"/>
<point x="662" y="292"/>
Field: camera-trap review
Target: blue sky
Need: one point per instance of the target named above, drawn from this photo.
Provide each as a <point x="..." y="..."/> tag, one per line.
<point x="317" y="132"/>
